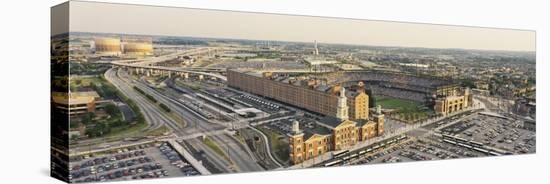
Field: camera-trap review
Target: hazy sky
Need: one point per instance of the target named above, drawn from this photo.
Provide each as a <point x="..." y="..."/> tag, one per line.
<point x="151" y="20"/>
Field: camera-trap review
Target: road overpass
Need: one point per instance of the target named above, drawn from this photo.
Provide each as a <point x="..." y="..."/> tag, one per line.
<point x="150" y="70"/>
<point x="190" y="53"/>
<point x="158" y="59"/>
<point x="147" y="65"/>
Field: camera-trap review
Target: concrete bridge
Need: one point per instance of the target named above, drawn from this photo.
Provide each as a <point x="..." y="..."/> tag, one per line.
<point x="182" y="72"/>
<point x="147" y="66"/>
<point x="158" y="59"/>
<point x="191" y="52"/>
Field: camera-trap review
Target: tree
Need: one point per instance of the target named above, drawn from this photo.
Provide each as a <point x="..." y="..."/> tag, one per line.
<point x="88" y="118"/>
<point x="75" y="137"/>
<point x="98" y="129"/>
<point x="116" y="123"/>
<point x="468" y="83"/>
<point x="74" y="125"/>
<point x="111" y="109"/>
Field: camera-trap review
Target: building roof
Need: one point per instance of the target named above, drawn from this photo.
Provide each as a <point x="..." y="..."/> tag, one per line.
<point x="311" y="129"/>
<point x="74" y="97"/>
<point x="330" y="121"/>
<point x="333" y="122"/>
<point x="319" y="61"/>
<point x="309" y="136"/>
<point x="363" y="122"/>
<point x="319" y="130"/>
<point x="323" y="88"/>
<point x="354" y="93"/>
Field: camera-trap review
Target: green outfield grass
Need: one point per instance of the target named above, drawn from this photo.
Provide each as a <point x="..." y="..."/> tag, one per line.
<point x="396" y="103"/>
<point x="407" y="110"/>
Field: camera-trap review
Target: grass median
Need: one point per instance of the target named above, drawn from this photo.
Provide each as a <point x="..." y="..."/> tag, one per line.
<point x="279" y="145"/>
<point x="215" y="147"/>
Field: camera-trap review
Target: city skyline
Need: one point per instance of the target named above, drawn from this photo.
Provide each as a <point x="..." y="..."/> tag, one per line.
<point x="215" y="23"/>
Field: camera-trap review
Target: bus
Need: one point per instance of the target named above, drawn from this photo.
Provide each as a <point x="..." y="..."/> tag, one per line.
<point x="481" y="150"/>
<point x="476" y="144"/>
<point x="447" y="136"/>
<point x="340" y="153"/>
<point x="346" y="158"/>
<point x="458" y="139"/>
<point x="333" y="163"/>
<point x="449" y="141"/>
<point x="465" y="145"/>
<point x="369" y="150"/>
<point x="401" y="137"/>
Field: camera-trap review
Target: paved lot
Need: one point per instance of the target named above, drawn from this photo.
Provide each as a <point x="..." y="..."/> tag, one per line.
<point x="137" y="162"/>
<point x="420" y="150"/>
<point x="385" y="156"/>
<point x="505" y="134"/>
<point x="391" y="125"/>
<point x="127" y="112"/>
<point x="502" y="136"/>
<point x="284" y="126"/>
<point x="259" y="103"/>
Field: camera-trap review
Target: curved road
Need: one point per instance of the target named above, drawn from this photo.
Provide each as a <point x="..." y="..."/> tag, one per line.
<point x="196" y="123"/>
<point x="152" y="114"/>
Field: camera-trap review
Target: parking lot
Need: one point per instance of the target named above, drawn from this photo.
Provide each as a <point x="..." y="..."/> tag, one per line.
<point x="259" y="103"/>
<point x="446" y="122"/>
<point x="493" y="133"/>
<point x="284" y="126"/>
<point x="468" y="136"/>
<point x="136" y="162"/>
<point x="419" y="150"/>
<point x="500" y="133"/>
<point x="384" y="156"/>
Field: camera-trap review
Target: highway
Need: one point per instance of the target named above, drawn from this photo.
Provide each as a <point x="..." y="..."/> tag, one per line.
<point x="218" y="161"/>
<point x="189" y="52"/>
<point x="267" y="146"/>
<point x="170" y="83"/>
<point x="244" y="161"/>
<point x="170" y="69"/>
<point x="197" y="123"/>
<point x="179" y="130"/>
<point x="148" y="63"/>
<point x="194" y="124"/>
<point x="152" y="114"/>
